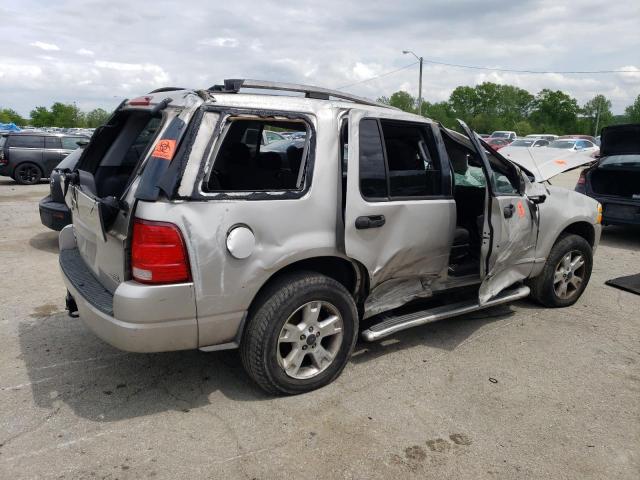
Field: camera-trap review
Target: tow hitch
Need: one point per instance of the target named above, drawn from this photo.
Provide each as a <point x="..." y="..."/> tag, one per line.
<point x="70" y="305"/>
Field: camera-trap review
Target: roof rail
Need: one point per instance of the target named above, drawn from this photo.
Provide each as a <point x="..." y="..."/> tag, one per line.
<point x="235" y="84"/>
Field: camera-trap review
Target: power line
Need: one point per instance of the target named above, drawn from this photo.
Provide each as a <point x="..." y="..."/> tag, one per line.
<point x="377" y="76"/>
<point x="511" y="70"/>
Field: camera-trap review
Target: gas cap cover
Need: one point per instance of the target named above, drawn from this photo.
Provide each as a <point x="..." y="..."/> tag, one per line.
<point x="241" y="242"/>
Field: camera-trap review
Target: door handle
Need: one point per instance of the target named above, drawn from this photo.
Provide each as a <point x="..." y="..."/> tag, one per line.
<point x="370" y="221"/>
<point x="508" y="211"/>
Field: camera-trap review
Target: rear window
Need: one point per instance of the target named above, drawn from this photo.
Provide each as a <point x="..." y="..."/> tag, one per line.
<point x="245" y="163"/>
<point x="26" y="141"/>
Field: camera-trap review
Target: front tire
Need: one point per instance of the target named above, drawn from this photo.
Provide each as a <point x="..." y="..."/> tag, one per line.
<point x="300" y="334"/>
<point x="565" y="274"/>
<point x="27" y="173"/>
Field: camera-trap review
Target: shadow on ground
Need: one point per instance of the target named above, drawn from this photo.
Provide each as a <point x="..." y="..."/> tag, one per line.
<point x="618" y="236"/>
<point x="66" y="362"/>
<point x="45" y="241"/>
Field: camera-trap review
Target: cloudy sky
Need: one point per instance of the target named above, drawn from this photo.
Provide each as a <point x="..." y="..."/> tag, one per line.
<point x="98" y="52"/>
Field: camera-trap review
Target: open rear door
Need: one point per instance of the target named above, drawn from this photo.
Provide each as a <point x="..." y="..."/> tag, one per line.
<point x="509" y="230"/>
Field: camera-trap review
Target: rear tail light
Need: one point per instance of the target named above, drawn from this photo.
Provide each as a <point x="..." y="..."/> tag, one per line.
<point x="158" y="253"/>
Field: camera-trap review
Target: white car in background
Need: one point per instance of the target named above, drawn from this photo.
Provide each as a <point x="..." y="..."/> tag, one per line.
<point x="545" y="136"/>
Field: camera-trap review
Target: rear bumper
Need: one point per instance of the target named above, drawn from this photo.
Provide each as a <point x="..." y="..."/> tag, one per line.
<point x="618" y="211"/>
<point x="136" y="317"/>
<point x="54" y="215"/>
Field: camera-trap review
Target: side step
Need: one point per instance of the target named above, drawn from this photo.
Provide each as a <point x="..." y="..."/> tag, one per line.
<point x="396" y="324"/>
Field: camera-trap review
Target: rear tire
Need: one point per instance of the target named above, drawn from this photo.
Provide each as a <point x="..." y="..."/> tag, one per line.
<point x="27" y="173"/>
<point x="300" y="334"/>
<point x="565" y="274"/>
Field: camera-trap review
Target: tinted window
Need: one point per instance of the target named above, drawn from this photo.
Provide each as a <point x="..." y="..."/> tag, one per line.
<point x="51" y="142"/>
<point x="70" y="143"/>
<point x="414" y="169"/>
<point x="373" y="179"/>
<point x="27" y="141"/>
<point x="244" y="164"/>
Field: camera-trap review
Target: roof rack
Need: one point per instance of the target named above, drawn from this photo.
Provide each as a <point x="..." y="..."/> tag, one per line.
<point x="235" y="84"/>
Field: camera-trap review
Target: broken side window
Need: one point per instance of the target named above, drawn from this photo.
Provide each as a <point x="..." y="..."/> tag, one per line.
<point x="259" y="155"/>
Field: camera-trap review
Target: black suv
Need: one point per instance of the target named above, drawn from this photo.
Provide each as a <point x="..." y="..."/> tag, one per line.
<point x="29" y="156"/>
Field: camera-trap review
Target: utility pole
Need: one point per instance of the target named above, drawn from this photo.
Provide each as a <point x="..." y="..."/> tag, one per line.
<point x="419" y="80"/>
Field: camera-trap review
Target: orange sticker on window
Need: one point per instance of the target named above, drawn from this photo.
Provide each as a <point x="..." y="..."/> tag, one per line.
<point x="560" y="162"/>
<point x="165" y="148"/>
<point x="521" y="211"/>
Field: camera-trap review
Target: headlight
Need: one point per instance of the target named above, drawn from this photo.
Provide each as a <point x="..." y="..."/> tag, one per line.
<point x="599" y="215"/>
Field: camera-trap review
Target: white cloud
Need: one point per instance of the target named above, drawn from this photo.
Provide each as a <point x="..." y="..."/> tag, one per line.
<point x="223" y="42"/>
<point x="48" y="47"/>
<point x="103" y="56"/>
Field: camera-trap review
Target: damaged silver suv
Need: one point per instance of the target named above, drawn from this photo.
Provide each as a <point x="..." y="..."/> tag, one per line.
<point x="189" y="232"/>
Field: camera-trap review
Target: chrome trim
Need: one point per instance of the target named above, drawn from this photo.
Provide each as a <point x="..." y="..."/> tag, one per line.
<point x="397" y="324"/>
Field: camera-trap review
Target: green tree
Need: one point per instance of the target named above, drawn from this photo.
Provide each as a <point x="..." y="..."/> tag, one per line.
<point x="554" y="112"/>
<point x="96" y="117"/>
<point x="440" y="112"/>
<point x="8" y="115"/>
<point x="596" y="111"/>
<point x="404" y="101"/>
<point x="66" y="115"/>
<point x="632" y="112"/>
<point x="41" y="117"/>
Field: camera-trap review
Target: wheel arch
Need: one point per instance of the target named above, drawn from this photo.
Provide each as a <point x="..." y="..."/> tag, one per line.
<point x="349" y="273"/>
<point x="582" y="229"/>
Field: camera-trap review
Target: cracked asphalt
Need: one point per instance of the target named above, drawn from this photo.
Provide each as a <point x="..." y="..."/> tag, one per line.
<point x="513" y="392"/>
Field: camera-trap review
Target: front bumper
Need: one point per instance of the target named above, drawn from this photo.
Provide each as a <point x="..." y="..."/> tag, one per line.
<point x="136" y="317"/>
<point x="54" y="215"/>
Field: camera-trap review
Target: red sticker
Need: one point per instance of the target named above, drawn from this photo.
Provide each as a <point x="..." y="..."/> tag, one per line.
<point x="561" y="162"/>
<point x="521" y="211"/>
<point x="165" y="148"/>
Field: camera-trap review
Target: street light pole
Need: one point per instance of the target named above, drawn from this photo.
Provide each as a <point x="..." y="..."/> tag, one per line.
<point x="419" y="80"/>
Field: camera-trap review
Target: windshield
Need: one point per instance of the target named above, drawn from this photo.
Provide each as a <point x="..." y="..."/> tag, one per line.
<point x="500" y="135"/>
<point x="523" y="143"/>
<point x="620" y="161"/>
<point x="562" y="144"/>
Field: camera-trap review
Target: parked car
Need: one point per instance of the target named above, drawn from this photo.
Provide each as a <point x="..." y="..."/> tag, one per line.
<point x="573" y="144"/>
<point x="497" y="143"/>
<point x="28" y="157"/>
<point x="545" y="136"/>
<point x="521" y="147"/>
<point x="511" y="136"/>
<point x="583" y="137"/>
<point x="204" y="243"/>
<point x="54" y="213"/>
<point x="614" y="180"/>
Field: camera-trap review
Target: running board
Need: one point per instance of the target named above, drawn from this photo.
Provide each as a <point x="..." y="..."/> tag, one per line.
<point x="396" y="324"/>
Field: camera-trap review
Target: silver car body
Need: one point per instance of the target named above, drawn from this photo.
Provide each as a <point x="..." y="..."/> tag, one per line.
<point x="406" y="259"/>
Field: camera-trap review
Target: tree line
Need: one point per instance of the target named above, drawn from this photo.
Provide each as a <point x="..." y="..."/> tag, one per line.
<point x="66" y="115"/>
<point x="489" y="107"/>
<point x="486" y="107"/>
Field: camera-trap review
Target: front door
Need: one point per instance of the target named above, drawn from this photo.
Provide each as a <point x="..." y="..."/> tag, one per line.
<point x="510" y="225"/>
<point x="399" y="212"/>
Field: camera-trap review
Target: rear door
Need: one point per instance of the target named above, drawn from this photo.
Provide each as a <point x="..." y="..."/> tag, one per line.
<point x="25" y="148"/>
<point x="510" y="225"/>
<point x="52" y="154"/>
<point x="399" y="212"/>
